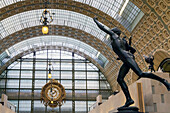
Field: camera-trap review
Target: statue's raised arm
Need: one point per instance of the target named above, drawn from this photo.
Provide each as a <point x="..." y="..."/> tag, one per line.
<point x="101" y="26"/>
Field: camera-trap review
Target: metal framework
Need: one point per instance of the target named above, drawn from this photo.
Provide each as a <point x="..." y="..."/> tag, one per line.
<point x="82" y="80"/>
<point x="111" y="7"/>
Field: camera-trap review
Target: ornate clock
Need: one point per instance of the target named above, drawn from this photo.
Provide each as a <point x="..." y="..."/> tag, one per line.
<point x="53" y="94"/>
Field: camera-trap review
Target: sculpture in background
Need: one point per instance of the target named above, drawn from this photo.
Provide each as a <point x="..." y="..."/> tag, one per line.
<point x="53" y="94"/>
<point x="125" y="54"/>
<point x="149" y="60"/>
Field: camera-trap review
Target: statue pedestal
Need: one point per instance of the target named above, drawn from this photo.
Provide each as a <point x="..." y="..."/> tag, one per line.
<point x="132" y="109"/>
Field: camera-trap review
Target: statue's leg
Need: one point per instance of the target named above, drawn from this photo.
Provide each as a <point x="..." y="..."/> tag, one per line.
<point x="153" y="68"/>
<point x="155" y="77"/>
<point x="122" y="73"/>
<point x="133" y="65"/>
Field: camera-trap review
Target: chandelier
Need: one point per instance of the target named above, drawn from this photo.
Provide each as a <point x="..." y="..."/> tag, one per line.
<point x="45" y="19"/>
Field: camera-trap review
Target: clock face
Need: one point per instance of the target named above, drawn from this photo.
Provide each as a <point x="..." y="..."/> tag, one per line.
<point x="53" y="92"/>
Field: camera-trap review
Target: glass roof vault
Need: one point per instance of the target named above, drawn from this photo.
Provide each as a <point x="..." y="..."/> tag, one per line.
<point x="52" y="41"/>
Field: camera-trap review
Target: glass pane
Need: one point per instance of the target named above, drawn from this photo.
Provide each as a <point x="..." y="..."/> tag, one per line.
<point x="55" y="75"/>
<point x="12" y="83"/>
<point x="79" y="66"/>
<point x="66" y="66"/>
<point x="90" y="67"/>
<point x="80" y="84"/>
<point x="69" y="94"/>
<point x="25" y="105"/>
<point x="25" y="94"/>
<point x="27" y="65"/>
<point x="40" y="74"/>
<point x="38" y="106"/>
<point x="39" y="83"/>
<point x="80" y="106"/>
<point x="37" y="94"/>
<point x="104" y="85"/>
<point x="66" y="75"/>
<point x="80" y="75"/>
<point x="92" y="75"/>
<point x="93" y="84"/>
<point x="26" y="74"/>
<point x="67" y="84"/>
<point x="13" y="73"/>
<point x="16" y="66"/>
<point x="67" y="107"/>
<point x="41" y="65"/>
<point x="12" y="93"/>
<point x="80" y="94"/>
<point x="56" y="65"/>
<point x="92" y="94"/>
<point x="2" y="83"/>
<point x="26" y="84"/>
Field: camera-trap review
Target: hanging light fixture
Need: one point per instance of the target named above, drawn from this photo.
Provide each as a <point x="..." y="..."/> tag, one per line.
<point x="46" y="18"/>
<point x="49" y="73"/>
<point x="45" y="29"/>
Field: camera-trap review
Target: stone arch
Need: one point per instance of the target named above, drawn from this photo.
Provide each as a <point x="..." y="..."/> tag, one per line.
<point x="58" y="30"/>
<point x="159" y="56"/>
<point x="56" y="48"/>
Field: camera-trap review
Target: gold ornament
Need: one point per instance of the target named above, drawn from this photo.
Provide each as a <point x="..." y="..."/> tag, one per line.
<point x="53" y="94"/>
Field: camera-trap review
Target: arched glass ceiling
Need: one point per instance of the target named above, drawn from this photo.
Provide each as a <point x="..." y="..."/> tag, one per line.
<point x="61" y="17"/>
<point x="4" y="3"/>
<point x="110" y="7"/>
<point x="113" y="7"/>
<point x="53" y="54"/>
<point x="51" y="41"/>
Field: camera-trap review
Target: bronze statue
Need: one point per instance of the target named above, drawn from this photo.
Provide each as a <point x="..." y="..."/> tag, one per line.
<point x="149" y="60"/>
<point x="125" y="54"/>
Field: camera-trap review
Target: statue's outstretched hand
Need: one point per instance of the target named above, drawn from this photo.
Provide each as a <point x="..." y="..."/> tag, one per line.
<point x="101" y="26"/>
<point x="95" y="18"/>
<point x="130" y="40"/>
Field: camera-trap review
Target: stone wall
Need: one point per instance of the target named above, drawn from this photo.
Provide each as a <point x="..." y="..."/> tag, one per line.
<point x="155" y="97"/>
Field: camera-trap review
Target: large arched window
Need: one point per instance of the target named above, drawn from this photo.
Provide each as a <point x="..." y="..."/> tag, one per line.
<point x="22" y="81"/>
